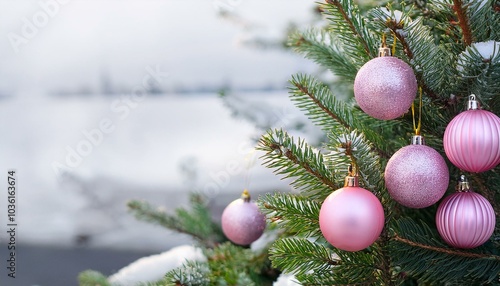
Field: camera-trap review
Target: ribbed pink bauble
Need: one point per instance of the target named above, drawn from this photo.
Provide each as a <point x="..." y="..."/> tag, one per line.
<point x="385" y="87"/>
<point x="242" y="221"/>
<point x="416" y="176"/>
<point x="465" y="219"/>
<point x="351" y="218"/>
<point x="472" y="139"/>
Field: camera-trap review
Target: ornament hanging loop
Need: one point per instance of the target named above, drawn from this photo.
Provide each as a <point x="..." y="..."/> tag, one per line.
<point x="384" y="51"/>
<point x="417" y="126"/>
<point x="472" y="103"/>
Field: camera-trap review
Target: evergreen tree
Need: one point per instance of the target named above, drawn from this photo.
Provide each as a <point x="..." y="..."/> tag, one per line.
<point x="453" y="49"/>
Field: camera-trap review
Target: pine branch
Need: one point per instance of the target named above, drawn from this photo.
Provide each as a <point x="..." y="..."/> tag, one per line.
<point x="190" y="273"/>
<point x="419" y="252"/>
<point x="195" y="222"/>
<point x="353" y="147"/>
<point x="484" y="20"/>
<point x="227" y="264"/>
<point x="299" y="255"/>
<point x="308" y="86"/>
<point x="298" y="161"/>
<point x="463" y="22"/>
<point x="318" y="46"/>
<point x="446" y="250"/>
<point x="296" y="214"/>
<point x="331" y="267"/>
<point x="352" y="27"/>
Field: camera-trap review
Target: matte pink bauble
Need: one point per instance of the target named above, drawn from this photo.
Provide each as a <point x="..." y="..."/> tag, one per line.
<point x="242" y="221"/>
<point x="416" y="176"/>
<point x="472" y="140"/>
<point x="385" y="87"/>
<point x="351" y="218"/>
<point x="465" y="220"/>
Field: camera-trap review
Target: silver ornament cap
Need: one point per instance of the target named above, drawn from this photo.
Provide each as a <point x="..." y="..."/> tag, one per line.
<point x="472" y="103"/>
<point x="463" y="184"/>
<point x="417" y="140"/>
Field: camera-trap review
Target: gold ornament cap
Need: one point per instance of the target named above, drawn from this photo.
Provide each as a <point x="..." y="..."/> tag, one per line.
<point x="384" y="51"/>
<point x="351" y="181"/>
<point x="245" y="196"/>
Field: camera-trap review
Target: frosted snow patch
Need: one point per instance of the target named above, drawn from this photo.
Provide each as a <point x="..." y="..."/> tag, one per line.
<point x="286" y="280"/>
<point x="487" y="50"/>
<point x="153" y="268"/>
<point x="396" y="15"/>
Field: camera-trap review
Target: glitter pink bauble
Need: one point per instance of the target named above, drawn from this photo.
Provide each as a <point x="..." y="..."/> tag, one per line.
<point x="416" y="176"/>
<point x="465" y="220"/>
<point x="242" y="222"/>
<point x="472" y="140"/>
<point x="385" y="87"/>
<point x="351" y="218"/>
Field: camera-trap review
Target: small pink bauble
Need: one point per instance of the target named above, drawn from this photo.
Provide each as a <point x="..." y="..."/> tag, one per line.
<point x="416" y="176"/>
<point x="465" y="220"/>
<point x="385" y="87"/>
<point x="472" y="140"/>
<point x="242" y="221"/>
<point x="351" y="218"/>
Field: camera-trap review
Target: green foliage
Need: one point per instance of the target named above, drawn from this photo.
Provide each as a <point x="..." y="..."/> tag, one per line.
<point x="317" y="45"/>
<point x="191" y="273"/>
<point x="92" y="278"/>
<point x="297" y="214"/>
<point x="433" y="37"/>
<point x="299" y="161"/>
<point x="485" y="20"/>
<point x="227" y="264"/>
<point x="195" y="221"/>
<point x="432" y="261"/>
<point x="289" y="255"/>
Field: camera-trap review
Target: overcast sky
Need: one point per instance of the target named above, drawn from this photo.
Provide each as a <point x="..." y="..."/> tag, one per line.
<point x="53" y="45"/>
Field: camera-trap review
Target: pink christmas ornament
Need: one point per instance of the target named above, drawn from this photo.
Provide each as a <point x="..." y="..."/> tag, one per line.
<point x="385" y="87"/>
<point x="472" y="139"/>
<point x="416" y="176"/>
<point x="351" y="218"/>
<point x="242" y="221"/>
<point x="465" y="219"/>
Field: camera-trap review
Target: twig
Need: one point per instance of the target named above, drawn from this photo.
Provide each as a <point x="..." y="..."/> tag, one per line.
<point x="463" y="21"/>
<point x="446" y="250"/>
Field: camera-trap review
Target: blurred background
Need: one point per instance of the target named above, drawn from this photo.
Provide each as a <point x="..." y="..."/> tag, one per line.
<point x="106" y="101"/>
